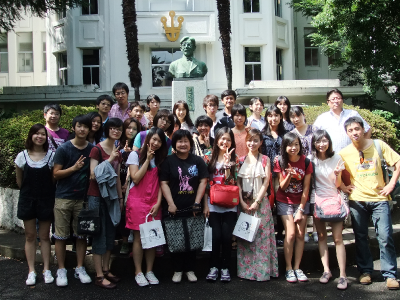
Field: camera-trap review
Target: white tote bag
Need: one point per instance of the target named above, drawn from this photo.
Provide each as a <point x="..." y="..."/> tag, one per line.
<point x="207" y="237"/>
<point x="246" y="227"/>
<point x="151" y="234"/>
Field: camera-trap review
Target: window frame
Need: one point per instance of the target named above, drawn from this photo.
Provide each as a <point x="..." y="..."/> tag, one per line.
<point x="24" y="54"/>
<point x="63" y="70"/>
<point x="278" y="8"/>
<point x="44" y="51"/>
<point x="279" y="64"/>
<point x="161" y="65"/>
<point x="312" y="48"/>
<point x="5" y="36"/>
<point x="91" y="67"/>
<point x="89" y="8"/>
<point x="247" y="63"/>
<point x="251" y="7"/>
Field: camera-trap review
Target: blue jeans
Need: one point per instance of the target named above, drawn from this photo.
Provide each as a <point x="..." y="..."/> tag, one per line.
<point x="361" y="211"/>
<point x="104" y="240"/>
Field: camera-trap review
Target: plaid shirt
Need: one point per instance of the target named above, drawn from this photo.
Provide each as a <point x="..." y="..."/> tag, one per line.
<point x="335" y="127"/>
<point x="116" y="112"/>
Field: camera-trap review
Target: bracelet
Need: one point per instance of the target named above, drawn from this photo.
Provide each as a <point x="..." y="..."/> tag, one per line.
<point x="258" y="201"/>
<point x="300" y="209"/>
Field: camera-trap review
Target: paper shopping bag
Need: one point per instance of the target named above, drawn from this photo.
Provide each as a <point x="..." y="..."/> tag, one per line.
<point x="246" y="227"/>
<point x="207" y="237"/>
<point x="151" y="234"/>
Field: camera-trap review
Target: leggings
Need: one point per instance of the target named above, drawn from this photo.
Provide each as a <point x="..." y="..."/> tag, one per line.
<point x="222" y="225"/>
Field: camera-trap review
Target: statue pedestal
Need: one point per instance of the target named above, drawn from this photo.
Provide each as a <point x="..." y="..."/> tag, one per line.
<point x="193" y="92"/>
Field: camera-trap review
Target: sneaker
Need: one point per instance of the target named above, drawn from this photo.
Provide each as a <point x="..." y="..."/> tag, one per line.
<point x="213" y="274"/>
<point x="31" y="280"/>
<point x="392" y="284"/>
<point x="82" y="275"/>
<point x="225" y="276"/>
<point x="306" y="238"/>
<point x="62" y="277"/>
<point x="48" y="278"/>
<point x="130" y="238"/>
<point x="177" y="277"/>
<point x="300" y="275"/>
<point x="290" y="276"/>
<point x="342" y="284"/>
<point x="191" y="277"/>
<point x="151" y="278"/>
<point x="315" y="237"/>
<point x="124" y="249"/>
<point x="141" y="280"/>
<point x="325" y="277"/>
<point x="365" y="278"/>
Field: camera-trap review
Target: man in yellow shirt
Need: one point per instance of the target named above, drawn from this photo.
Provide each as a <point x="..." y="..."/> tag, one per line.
<point x="369" y="197"/>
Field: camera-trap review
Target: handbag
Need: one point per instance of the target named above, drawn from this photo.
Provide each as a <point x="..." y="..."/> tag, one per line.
<point x="151" y="233"/>
<point x="89" y="221"/>
<point x="207" y="237"/>
<point x="224" y="195"/>
<point x="247" y="226"/>
<point x="332" y="209"/>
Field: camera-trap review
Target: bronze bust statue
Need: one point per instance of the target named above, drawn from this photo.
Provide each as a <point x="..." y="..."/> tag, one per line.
<point x="188" y="66"/>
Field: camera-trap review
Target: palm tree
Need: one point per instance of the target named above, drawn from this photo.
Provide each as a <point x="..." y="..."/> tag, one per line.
<point x="224" y="24"/>
<point x="132" y="45"/>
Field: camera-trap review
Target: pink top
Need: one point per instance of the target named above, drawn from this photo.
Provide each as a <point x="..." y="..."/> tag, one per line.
<point x="240" y="141"/>
<point x="116" y="112"/>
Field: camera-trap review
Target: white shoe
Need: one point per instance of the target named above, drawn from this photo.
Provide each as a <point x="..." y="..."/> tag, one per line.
<point x="48" y="278"/>
<point x="82" y="275"/>
<point x="62" y="277"/>
<point x="191" y="277"/>
<point x="306" y="238"/>
<point x="130" y="238"/>
<point x="151" y="278"/>
<point x="141" y="280"/>
<point x="315" y="237"/>
<point x="31" y="280"/>
<point x="177" y="277"/>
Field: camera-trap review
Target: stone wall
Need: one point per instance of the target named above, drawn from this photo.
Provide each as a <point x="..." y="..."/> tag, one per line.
<point x="8" y="210"/>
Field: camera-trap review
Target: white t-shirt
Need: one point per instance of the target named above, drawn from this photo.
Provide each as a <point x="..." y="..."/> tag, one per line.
<point x="218" y="178"/>
<point x="20" y="160"/>
<point x="324" y="177"/>
<point x="133" y="159"/>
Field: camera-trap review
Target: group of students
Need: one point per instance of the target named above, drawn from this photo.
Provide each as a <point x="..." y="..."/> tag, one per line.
<point x="163" y="165"/>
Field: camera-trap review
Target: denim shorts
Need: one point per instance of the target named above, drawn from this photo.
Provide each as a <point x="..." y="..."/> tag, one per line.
<point x="285" y="209"/>
<point x="104" y="240"/>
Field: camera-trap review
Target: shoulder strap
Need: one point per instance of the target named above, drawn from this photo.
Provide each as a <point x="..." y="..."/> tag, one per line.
<point x="264" y="161"/>
<point x="51" y="154"/>
<point x="100" y="154"/>
<point x="307" y="162"/>
<point x="52" y="139"/>
<point x="378" y="148"/>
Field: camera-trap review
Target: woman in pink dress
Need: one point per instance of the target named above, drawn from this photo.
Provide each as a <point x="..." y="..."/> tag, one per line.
<point x="145" y="198"/>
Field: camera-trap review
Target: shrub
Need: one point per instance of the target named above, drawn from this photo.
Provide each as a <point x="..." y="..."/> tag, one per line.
<point x="13" y="133"/>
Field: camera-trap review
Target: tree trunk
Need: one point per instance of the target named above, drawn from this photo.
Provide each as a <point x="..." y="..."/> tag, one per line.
<point x="132" y="45"/>
<point x="224" y="24"/>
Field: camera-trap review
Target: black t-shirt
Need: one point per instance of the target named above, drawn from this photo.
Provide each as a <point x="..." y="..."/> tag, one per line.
<point x="74" y="186"/>
<point x="183" y="176"/>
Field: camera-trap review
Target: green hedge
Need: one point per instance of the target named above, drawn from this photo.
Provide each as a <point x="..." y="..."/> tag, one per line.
<point x="13" y="133"/>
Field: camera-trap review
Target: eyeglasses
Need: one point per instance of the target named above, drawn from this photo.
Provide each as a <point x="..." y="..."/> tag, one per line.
<point x="120" y="94"/>
<point x="321" y="142"/>
<point x="116" y="129"/>
<point x="335" y="99"/>
<point x="361" y="157"/>
<point x="166" y="121"/>
<point x="105" y="103"/>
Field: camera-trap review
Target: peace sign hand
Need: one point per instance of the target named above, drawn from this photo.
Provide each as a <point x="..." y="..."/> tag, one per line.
<point x="339" y="168"/>
<point x="291" y="171"/>
<point x="114" y="153"/>
<point x="227" y="156"/>
<point x="79" y="163"/>
<point x="150" y="153"/>
<point x="127" y="149"/>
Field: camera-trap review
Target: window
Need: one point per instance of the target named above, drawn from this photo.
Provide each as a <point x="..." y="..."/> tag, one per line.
<point x="44" y="57"/>
<point x="278" y="8"/>
<point x="252" y="64"/>
<point x="279" y="65"/>
<point x="251" y="6"/>
<point x="311" y="53"/>
<point x="296" y="54"/>
<point x="62" y="68"/>
<point x="91" y="7"/>
<point x="3" y="53"/>
<point x="161" y="58"/>
<point x="25" y="52"/>
<point x="91" y="66"/>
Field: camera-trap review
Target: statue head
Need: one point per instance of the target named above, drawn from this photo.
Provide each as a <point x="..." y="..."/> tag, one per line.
<point x="188" y="45"/>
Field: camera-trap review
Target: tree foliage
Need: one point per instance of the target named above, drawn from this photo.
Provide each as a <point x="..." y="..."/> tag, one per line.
<point x="363" y="36"/>
<point x="224" y="25"/>
<point x="10" y="10"/>
<point x="132" y="44"/>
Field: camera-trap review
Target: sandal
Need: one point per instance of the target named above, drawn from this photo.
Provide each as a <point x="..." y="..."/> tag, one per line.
<point x="113" y="279"/>
<point x="99" y="281"/>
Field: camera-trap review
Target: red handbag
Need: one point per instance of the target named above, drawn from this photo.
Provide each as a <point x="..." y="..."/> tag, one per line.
<point x="224" y="195"/>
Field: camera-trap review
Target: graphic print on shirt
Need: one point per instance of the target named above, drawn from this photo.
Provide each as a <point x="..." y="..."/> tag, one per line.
<point x="218" y="176"/>
<point x="296" y="182"/>
<point x="184" y="186"/>
<point x="367" y="168"/>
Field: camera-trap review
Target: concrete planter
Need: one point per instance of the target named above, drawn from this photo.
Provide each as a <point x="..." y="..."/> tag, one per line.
<point x="8" y="210"/>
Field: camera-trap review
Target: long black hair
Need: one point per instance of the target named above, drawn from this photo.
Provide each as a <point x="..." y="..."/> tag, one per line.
<point x="99" y="133"/>
<point x="298" y="111"/>
<point x="215" y="150"/>
<point x="34" y="129"/>
<point x="288" y="139"/>
<point x="188" y="120"/>
<point x="281" y="128"/>
<point x="123" y="138"/>
<point x="318" y="135"/>
<point x="287" y="102"/>
<point x="160" y="154"/>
